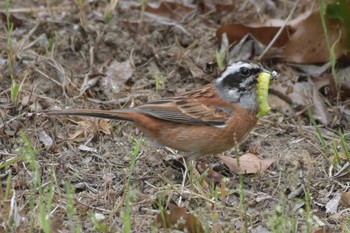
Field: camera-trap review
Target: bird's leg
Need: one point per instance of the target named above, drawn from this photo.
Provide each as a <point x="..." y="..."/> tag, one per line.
<point x="191" y="164"/>
<point x="191" y="160"/>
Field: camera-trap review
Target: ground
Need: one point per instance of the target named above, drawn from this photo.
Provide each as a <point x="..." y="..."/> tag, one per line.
<point x="62" y="56"/>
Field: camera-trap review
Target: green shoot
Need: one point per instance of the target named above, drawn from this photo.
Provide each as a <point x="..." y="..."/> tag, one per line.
<point x="80" y="3"/>
<point x="29" y="154"/>
<point x="330" y="47"/>
<point x="10" y="162"/>
<point x="126" y="214"/>
<point x="9" y="27"/>
<point x="44" y="209"/>
<point x="4" y="198"/>
<point x="308" y="210"/>
<point x="15" y="87"/>
<point x="337" y="158"/>
<point x="340" y="11"/>
<point x="50" y="47"/>
<point x="344" y="146"/>
<point x="142" y="13"/>
<point x="325" y="150"/>
<point x="98" y="226"/>
<point x="220" y="61"/>
<point x="70" y="208"/>
<point x="160" y="206"/>
<point x="281" y="221"/>
<point x="107" y="16"/>
<point x="159" y="81"/>
<point x="82" y="17"/>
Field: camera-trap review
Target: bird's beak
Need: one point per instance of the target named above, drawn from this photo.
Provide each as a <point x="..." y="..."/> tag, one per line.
<point x="274" y="74"/>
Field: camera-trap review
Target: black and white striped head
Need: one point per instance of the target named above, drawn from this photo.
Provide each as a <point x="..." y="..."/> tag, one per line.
<point x="239" y="80"/>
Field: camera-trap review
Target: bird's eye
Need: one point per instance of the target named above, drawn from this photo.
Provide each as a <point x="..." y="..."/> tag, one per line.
<point x="244" y="71"/>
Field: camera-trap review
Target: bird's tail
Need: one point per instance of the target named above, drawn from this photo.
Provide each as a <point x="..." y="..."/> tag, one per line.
<point x="107" y="114"/>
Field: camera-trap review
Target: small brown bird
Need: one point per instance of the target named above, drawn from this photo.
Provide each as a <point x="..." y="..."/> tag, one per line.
<point x="205" y="121"/>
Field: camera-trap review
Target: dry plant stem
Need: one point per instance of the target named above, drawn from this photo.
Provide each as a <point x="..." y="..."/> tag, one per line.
<point x="26" y="39"/>
<point x="88" y="81"/>
<point x="48" y="77"/>
<point x="92" y="207"/>
<point x="12" y="119"/>
<point x="183" y="181"/>
<point x="194" y="194"/>
<point x="196" y="174"/>
<point x="279" y="31"/>
<point x="50" y="61"/>
<point x="49" y="8"/>
<point x="111" y="7"/>
<point x="86" y="85"/>
<point x="2" y="152"/>
<point x="39" y="9"/>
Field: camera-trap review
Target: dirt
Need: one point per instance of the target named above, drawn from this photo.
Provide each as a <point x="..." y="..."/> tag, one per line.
<point x="94" y="156"/>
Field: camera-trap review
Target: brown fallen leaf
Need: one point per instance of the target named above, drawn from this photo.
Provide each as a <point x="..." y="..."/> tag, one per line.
<point x="15" y="21"/>
<point x="91" y="126"/>
<point x="345" y="199"/>
<point x="179" y="219"/>
<point x="308" y="44"/>
<point x="217" y="177"/>
<point x="84" y="126"/>
<point x="104" y="127"/>
<point x="247" y="164"/>
<point x="322" y="230"/>
<point x="235" y="32"/>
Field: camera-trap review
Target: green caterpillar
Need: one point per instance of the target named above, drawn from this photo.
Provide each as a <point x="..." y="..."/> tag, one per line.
<point x="262" y="91"/>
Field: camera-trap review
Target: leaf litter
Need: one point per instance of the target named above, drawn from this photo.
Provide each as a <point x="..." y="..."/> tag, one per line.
<point x="86" y="53"/>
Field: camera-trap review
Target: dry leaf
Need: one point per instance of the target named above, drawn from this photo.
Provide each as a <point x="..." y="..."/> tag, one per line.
<point x="45" y="139"/>
<point x="343" y="80"/>
<point x="15" y="21"/>
<point x="245" y="49"/>
<point x="175" y="11"/>
<point x="104" y="127"/>
<point x="308" y="45"/>
<point x="274" y="22"/>
<point x="300" y="92"/>
<point x="321" y="230"/>
<point x="87" y="148"/>
<point x="248" y="164"/>
<point x="84" y="126"/>
<point x="169" y="10"/>
<point x="179" y="219"/>
<point x="235" y="32"/>
<point x="260" y="229"/>
<point x="332" y="205"/>
<point x="217" y="177"/>
<point x="345" y="199"/>
<point x="118" y="73"/>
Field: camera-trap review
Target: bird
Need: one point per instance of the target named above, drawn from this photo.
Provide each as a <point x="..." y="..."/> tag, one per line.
<point x="205" y="121"/>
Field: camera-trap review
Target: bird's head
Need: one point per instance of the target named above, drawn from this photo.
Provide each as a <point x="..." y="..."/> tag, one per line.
<point x="237" y="83"/>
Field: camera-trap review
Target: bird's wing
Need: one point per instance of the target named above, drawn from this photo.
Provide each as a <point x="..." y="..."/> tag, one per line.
<point x="199" y="107"/>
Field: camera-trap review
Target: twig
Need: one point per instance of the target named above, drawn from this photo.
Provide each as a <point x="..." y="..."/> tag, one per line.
<point x="280" y="31"/>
